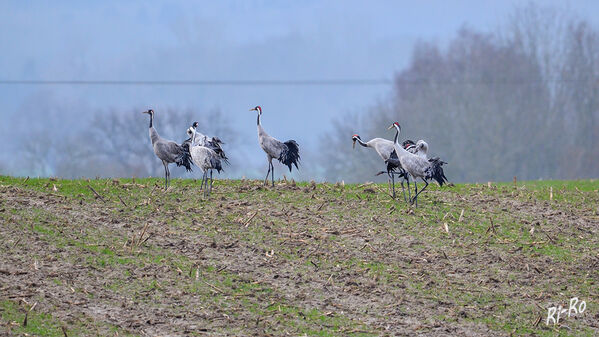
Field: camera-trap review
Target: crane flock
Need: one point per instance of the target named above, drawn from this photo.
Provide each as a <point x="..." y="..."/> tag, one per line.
<point x="408" y="160"/>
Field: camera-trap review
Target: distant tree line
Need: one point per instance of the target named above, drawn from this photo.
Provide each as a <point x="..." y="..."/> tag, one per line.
<point x="523" y="101"/>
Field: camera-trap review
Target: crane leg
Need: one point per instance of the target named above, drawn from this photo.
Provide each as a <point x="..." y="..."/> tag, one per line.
<point x="206" y="188"/>
<point x="210" y="182"/>
<point x="392" y="174"/>
<point x="272" y="174"/>
<point x="168" y="173"/>
<point x="415" y="200"/>
<point x="205" y="183"/>
<point x="389" y="177"/>
<point x="421" y="190"/>
<point x="165" y="175"/>
<point x="403" y="190"/>
<point x="393" y="184"/>
<point x="202" y="184"/>
<point x="267" y="173"/>
<point x="409" y="189"/>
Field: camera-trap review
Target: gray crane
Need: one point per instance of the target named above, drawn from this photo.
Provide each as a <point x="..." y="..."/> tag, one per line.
<point x="168" y="151"/>
<point x="420" y="148"/>
<point x="286" y="153"/>
<point x="385" y="149"/>
<point x="417" y="166"/>
<point x="213" y="143"/>
<point x="204" y="158"/>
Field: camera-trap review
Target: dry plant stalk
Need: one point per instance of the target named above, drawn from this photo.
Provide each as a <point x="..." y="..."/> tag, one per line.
<point x="27" y="314"/>
<point x="247" y="222"/>
<point x="96" y="193"/>
<point x="123" y="202"/>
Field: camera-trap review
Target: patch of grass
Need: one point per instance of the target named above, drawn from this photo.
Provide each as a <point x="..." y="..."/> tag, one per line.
<point x="37" y="323"/>
<point x="43" y="324"/>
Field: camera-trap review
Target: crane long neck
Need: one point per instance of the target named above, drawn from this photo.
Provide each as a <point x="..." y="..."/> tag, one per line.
<point x="398" y="148"/>
<point x="261" y="132"/>
<point x="153" y="133"/>
<point x="362" y="142"/>
<point x="258" y="119"/>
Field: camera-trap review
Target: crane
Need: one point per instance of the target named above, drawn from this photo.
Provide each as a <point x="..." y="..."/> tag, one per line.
<point x="420" y="148"/>
<point x="385" y="149"/>
<point x="286" y="153"/>
<point x="213" y="143"/>
<point x="417" y="166"/>
<point x="168" y="151"/>
<point x="205" y="158"/>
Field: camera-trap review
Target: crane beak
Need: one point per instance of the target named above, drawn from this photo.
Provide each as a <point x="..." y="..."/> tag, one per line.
<point x="391" y="127"/>
<point x="254" y="109"/>
<point x="353" y="146"/>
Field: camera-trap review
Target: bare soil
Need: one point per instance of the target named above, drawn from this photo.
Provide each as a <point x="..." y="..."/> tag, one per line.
<point x="318" y="259"/>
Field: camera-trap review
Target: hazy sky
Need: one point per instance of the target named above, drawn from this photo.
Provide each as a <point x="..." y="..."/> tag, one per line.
<point x="220" y="40"/>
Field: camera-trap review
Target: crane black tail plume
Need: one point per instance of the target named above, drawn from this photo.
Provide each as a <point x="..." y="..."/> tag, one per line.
<point x="290" y="155"/>
<point x="214" y="144"/>
<point x="222" y="155"/>
<point x="219" y="151"/>
<point x="184" y="156"/>
<point x="435" y="171"/>
<point x="216" y="164"/>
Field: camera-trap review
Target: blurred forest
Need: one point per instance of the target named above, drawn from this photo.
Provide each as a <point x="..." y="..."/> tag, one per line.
<point x="522" y="101"/>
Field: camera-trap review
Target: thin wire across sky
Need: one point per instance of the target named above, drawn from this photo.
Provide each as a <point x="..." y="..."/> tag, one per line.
<point x="312" y="82"/>
<point x="318" y="82"/>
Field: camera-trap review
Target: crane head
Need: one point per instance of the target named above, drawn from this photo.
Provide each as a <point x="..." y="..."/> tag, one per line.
<point x="395" y="125"/>
<point x="422" y="146"/>
<point x="354" y="139"/>
<point x="194" y="125"/>
<point x="257" y="108"/>
<point x="191" y="133"/>
<point x="149" y="112"/>
<point x="407" y="143"/>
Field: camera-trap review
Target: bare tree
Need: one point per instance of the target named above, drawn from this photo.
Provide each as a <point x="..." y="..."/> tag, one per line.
<point x="521" y="102"/>
<point x="578" y="99"/>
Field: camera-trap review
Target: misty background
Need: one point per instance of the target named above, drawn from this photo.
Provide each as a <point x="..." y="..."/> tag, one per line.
<point x="497" y="89"/>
